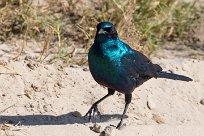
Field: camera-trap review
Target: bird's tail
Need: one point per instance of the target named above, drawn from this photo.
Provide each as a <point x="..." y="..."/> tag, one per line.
<point x="173" y="76"/>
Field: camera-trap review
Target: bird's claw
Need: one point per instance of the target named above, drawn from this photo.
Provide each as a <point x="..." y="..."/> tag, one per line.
<point x="91" y="112"/>
<point x="120" y="125"/>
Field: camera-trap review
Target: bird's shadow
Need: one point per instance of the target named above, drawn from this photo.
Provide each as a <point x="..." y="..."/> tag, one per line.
<point x="69" y="118"/>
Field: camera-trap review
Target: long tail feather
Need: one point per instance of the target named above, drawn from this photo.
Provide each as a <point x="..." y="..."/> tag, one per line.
<point x="173" y="76"/>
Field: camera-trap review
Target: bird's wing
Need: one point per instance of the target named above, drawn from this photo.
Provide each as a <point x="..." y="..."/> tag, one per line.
<point x="137" y="64"/>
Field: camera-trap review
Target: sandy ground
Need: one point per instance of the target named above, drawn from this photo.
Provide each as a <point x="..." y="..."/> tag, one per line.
<point x="50" y="100"/>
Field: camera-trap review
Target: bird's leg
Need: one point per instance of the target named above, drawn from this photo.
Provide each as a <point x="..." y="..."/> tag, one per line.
<point x="128" y="98"/>
<point x="94" y="107"/>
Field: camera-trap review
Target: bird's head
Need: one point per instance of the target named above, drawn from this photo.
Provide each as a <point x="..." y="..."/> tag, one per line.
<point x="105" y="31"/>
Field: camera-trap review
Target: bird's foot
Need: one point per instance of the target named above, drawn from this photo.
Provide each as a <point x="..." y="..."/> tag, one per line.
<point x="91" y="112"/>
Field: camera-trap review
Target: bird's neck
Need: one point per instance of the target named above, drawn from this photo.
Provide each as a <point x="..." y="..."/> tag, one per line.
<point x="106" y="44"/>
<point x="100" y="39"/>
<point x="111" y="48"/>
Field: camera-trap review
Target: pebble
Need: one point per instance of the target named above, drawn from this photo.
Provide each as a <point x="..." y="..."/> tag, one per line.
<point x="76" y="114"/>
<point x="74" y="66"/>
<point x="85" y="69"/>
<point x="31" y="66"/>
<point x="45" y="107"/>
<point x="202" y="101"/>
<point x="60" y="68"/>
<point x="158" y="119"/>
<point x="97" y="128"/>
<point x="108" y="131"/>
<point x="34" y="87"/>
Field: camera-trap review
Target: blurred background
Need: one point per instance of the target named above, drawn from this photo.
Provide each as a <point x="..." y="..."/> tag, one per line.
<point x="64" y="29"/>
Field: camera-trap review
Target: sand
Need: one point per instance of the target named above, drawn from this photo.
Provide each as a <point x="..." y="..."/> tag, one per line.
<point x="41" y="99"/>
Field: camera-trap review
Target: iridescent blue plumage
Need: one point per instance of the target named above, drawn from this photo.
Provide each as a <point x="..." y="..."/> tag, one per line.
<point x="115" y="65"/>
<point x="105" y="62"/>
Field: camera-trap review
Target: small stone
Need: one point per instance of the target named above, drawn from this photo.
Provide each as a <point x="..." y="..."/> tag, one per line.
<point x="74" y="66"/>
<point x="202" y="101"/>
<point x="76" y="114"/>
<point x="46" y="67"/>
<point x="27" y="58"/>
<point x="30" y="66"/>
<point x="35" y="88"/>
<point x="59" y="85"/>
<point x="85" y="69"/>
<point x="97" y="128"/>
<point x="150" y="104"/>
<point x="109" y="131"/>
<point x="158" y="119"/>
<point x="31" y="106"/>
<point x="60" y="68"/>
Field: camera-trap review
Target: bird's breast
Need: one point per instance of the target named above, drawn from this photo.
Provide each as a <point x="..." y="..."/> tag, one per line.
<point x="102" y="66"/>
<point x="110" y="73"/>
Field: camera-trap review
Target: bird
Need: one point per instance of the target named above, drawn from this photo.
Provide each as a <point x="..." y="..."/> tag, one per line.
<point x="115" y="65"/>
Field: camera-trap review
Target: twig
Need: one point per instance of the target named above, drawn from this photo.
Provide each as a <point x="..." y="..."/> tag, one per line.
<point x="80" y="28"/>
<point x="19" y="53"/>
<point x="7" y="108"/>
<point x="119" y="7"/>
<point x="46" y="44"/>
<point x="3" y="64"/>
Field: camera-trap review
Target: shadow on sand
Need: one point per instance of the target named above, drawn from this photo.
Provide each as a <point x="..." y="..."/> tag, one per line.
<point x="69" y="118"/>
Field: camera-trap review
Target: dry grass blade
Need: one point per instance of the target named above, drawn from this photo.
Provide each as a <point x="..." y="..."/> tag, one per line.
<point x="3" y="64"/>
<point x="7" y="108"/>
<point x="8" y="128"/>
<point x="19" y="53"/>
<point x="84" y="31"/>
<point x="27" y="94"/>
<point x="65" y="5"/>
<point x="48" y="39"/>
<point x="56" y="28"/>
